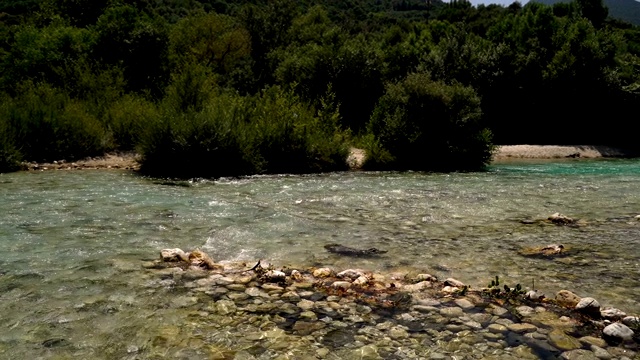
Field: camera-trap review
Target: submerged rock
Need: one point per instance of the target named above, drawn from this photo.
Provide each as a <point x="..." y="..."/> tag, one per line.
<point x="348" y="251"/>
<point x="201" y="259"/>
<point x="560" y="219"/>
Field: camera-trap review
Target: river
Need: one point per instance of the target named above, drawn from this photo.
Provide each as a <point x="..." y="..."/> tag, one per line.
<point x="73" y="242"/>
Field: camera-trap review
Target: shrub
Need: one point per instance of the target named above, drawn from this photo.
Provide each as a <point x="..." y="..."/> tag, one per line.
<point x="127" y="119"/>
<point x="273" y="132"/>
<point x="48" y="125"/>
<point x="422" y="124"/>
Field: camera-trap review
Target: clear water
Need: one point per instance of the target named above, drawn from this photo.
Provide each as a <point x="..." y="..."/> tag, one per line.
<point x="72" y="242"/>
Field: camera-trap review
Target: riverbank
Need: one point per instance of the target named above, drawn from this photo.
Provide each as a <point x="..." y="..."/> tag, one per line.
<point x="510" y="152"/>
<point x="357" y="157"/>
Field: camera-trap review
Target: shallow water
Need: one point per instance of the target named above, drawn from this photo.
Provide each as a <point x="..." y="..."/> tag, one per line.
<point x="71" y="283"/>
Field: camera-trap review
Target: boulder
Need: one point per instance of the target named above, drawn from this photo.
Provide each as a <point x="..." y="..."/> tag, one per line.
<point x="322" y="272"/>
<point x="612" y="314"/>
<point x="617" y="332"/>
<point x="588" y="305"/>
<point x="567" y="298"/>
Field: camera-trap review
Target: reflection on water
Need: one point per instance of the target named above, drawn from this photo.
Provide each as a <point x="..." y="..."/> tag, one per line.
<point x="73" y="243"/>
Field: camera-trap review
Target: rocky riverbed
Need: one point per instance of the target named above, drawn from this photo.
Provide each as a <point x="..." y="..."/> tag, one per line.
<point x="257" y="311"/>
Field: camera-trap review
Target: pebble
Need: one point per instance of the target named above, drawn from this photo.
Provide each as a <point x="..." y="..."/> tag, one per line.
<point x="522" y="328"/>
<point x="600" y="353"/>
<point x="579" y="354"/>
<point x="464" y="304"/>
<point x="563" y="341"/>
<point x="451" y="311"/>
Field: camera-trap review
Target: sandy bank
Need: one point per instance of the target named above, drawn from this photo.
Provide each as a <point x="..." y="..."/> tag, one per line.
<point x="127" y="161"/>
<point x="507" y="152"/>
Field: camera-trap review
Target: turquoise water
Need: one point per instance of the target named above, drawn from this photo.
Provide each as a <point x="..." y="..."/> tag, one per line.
<point x="73" y="242"/>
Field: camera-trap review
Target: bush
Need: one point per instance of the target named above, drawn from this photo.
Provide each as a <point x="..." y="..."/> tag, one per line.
<point x="10" y="157"/>
<point x="273" y="132"/>
<point x="127" y="119"/>
<point x="421" y="124"/>
<point x="48" y="125"/>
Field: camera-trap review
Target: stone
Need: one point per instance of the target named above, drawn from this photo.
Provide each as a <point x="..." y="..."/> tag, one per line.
<point x="225" y="307"/>
<point x="255" y="292"/>
<point x="418" y="287"/>
<point x="307" y="327"/>
<point x="341" y="284"/>
<point x="464" y="303"/>
<point x="617" y="332"/>
<point x="296" y="275"/>
<point x="600" y="353"/>
<point x="567" y="299"/>
<point x="631" y="320"/>
<point x="522" y="328"/>
<point x="579" y="354"/>
<point x="305" y="304"/>
<point x="534" y="295"/>
<point x="308" y="315"/>
<point x="397" y="332"/>
<point x="451" y="312"/>
<point x="591" y="340"/>
<point x="350" y="274"/>
<point x="360" y="281"/>
<point x="290" y="296"/>
<point x="367" y="352"/>
<point x="612" y="314"/>
<point x="171" y="255"/>
<point x="275" y="276"/>
<point x="201" y="259"/>
<point x="425" y="277"/>
<point x="560" y="219"/>
<point x="322" y="272"/>
<point x="525" y="311"/>
<point x="588" y="305"/>
<point x="454" y="283"/>
<point x="562" y="341"/>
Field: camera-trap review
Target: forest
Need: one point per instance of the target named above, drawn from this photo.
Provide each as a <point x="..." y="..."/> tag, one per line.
<point x="216" y="88"/>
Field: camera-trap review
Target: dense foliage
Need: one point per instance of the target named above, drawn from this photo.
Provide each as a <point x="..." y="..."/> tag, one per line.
<point x="215" y="88"/>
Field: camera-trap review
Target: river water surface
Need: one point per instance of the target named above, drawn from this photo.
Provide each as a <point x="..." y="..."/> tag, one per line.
<point x="73" y="242"/>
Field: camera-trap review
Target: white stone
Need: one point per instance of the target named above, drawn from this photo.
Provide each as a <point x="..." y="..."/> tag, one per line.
<point x="631" y="321"/>
<point x="341" y="284"/>
<point x="350" y="274"/>
<point x="362" y="280"/>
<point x="587" y="303"/>
<point x="619" y="331"/>
<point x="418" y="287"/>
<point x="425" y="277"/>
<point x="612" y="314"/>
<point x="296" y="275"/>
<point x="174" y="255"/>
<point x="275" y="275"/>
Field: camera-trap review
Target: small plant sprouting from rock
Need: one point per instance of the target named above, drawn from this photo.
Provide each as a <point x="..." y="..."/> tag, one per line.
<point x="505" y="292"/>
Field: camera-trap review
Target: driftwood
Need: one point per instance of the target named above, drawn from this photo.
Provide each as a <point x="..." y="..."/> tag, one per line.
<point x="347" y="251"/>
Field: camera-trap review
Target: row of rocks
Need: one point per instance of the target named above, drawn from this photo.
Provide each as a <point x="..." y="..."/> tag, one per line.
<point x="359" y="314"/>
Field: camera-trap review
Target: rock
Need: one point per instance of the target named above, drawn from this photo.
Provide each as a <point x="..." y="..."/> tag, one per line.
<point x="631" y="321"/>
<point x="201" y="259"/>
<point x="418" y="287"/>
<point x="525" y="311"/>
<point x="397" y="332"/>
<point x="612" y="314"/>
<point x="534" y="295"/>
<point x="567" y="298"/>
<point x="600" y="353"/>
<point x="305" y="304"/>
<point x="549" y="250"/>
<point x="255" y="292"/>
<point x="322" y="273"/>
<point x="274" y="276"/>
<point x="497" y="328"/>
<point x="306" y="327"/>
<point x="580" y="354"/>
<point x="560" y="219"/>
<point x="591" y="340"/>
<point x="341" y="284"/>
<point x="296" y="275"/>
<point x="563" y="341"/>
<point x="425" y="277"/>
<point x="454" y="283"/>
<point x="522" y="328"/>
<point x="290" y="296"/>
<point x="588" y="306"/>
<point x="367" y="352"/>
<point x="452" y="312"/>
<point x="361" y="281"/>
<point x="350" y="274"/>
<point x="464" y="304"/>
<point x="225" y="307"/>
<point x="348" y="251"/>
<point x="171" y="255"/>
<point x="617" y="332"/>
